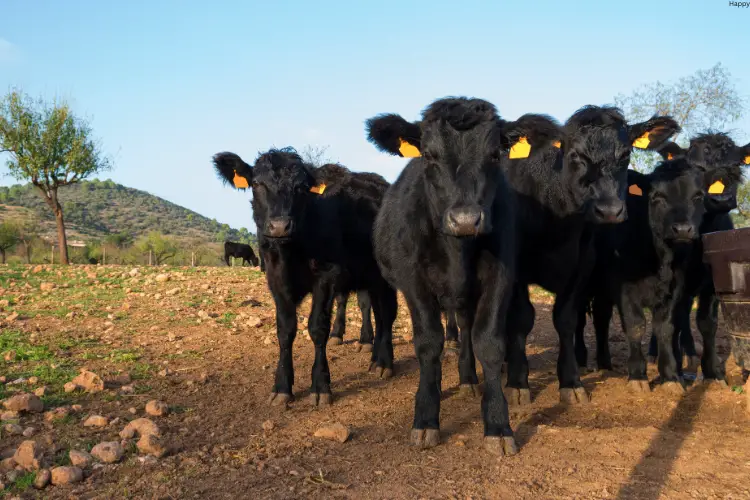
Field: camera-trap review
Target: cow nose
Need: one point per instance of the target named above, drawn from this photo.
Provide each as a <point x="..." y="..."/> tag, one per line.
<point x="683" y="231"/>
<point x="279" y="227"/>
<point x="464" y="221"/>
<point x="610" y="213"/>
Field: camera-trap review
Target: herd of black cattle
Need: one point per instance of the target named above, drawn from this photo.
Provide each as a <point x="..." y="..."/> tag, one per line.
<point x="485" y="208"/>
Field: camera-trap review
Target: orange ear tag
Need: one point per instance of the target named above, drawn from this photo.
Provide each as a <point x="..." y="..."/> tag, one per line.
<point x="408" y="150"/>
<point x="521" y="149"/>
<point x="747" y="160"/>
<point x="716" y="188"/>
<point x="239" y="181"/>
<point x="642" y="142"/>
<point x="319" y="189"/>
<point x="635" y="190"/>
<point x="557" y="144"/>
<point x="670" y="156"/>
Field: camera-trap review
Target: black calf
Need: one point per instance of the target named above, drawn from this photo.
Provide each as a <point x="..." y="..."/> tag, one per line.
<point x="445" y="237"/>
<point x="316" y="226"/>
<point x="239" y="251"/>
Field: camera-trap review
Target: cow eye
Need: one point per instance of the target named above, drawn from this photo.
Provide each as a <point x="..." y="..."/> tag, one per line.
<point x="658" y="199"/>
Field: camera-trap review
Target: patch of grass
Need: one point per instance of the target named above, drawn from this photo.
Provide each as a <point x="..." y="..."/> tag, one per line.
<point x="226" y="319"/>
<point x="24" y="482"/>
<point x="14" y="340"/>
<point x="140" y="371"/>
<point x="124" y="356"/>
<point x="738" y="389"/>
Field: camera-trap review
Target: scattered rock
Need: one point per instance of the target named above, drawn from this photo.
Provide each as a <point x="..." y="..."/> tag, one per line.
<point x="147" y="460"/>
<point x="254" y="322"/>
<point x="12" y="476"/>
<point x="165" y="372"/>
<point x="173" y="291"/>
<point x="7" y="464"/>
<point x="4" y="303"/>
<point x="268" y="425"/>
<point x="80" y="458"/>
<point x="9" y="356"/>
<point x="29" y="431"/>
<point x="33" y="380"/>
<point x="96" y="421"/>
<point x="76" y="408"/>
<point x="127" y="389"/>
<point x="42" y="479"/>
<point x="70" y="387"/>
<point x="89" y="381"/>
<point x="57" y="414"/>
<point x="28" y="455"/>
<point x="132" y="411"/>
<point x="9" y="415"/>
<point x="150" y="444"/>
<point x="70" y="315"/>
<point x="24" y="402"/>
<point x="41" y="391"/>
<point x="12" y="429"/>
<point x="171" y="337"/>
<point x="11" y="318"/>
<point x="134" y="272"/>
<point x="157" y="408"/>
<point x="140" y="427"/>
<point x="47" y="287"/>
<point x="335" y="432"/>
<point x="108" y="452"/>
<point x="161" y="278"/>
<point x="66" y="475"/>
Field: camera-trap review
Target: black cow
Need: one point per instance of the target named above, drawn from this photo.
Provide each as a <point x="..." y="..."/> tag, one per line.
<point x="239" y="251"/>
<point x="339" y="323"/>
<point x="643" y="264"/>
<point x="316" y="226"/>
<point x="575" y="181"/>
<point x="720" y="158"/>
<point x="445" y="237"/>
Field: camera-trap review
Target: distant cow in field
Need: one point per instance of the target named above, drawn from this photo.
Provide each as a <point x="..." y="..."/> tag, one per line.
<point x="643" y="263"/>
<point x="446" y="238"/>
<point x="721" y="161"/>
<point x="567" y="184"/>
<point x="316" y="226"/>
<point x="239" y="251"/>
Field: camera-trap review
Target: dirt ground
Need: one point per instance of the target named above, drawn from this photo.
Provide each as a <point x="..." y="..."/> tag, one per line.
<point x="225" y="441"/>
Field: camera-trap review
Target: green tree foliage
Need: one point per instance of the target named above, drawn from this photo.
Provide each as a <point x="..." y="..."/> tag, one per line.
<point x="50" y="147"/>
<point x="9" y="238"/>
<point x="161" y="247"/>
<point x="706" y="100"/>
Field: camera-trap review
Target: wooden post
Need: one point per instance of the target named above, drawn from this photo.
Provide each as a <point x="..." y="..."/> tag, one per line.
<point x="149" y="257"/>
<point x="104" y="256"/>
<point x="52" y="253"/>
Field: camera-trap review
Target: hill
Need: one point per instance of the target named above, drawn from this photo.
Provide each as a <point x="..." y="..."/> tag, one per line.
<point x="96" y="209"/>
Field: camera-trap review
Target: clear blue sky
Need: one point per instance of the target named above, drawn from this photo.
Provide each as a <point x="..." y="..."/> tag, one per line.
<point x="167" y="84"/>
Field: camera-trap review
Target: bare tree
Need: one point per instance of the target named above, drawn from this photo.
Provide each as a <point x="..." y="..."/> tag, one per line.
<point x="315" y="155"/>
<point x="706" y="100"/>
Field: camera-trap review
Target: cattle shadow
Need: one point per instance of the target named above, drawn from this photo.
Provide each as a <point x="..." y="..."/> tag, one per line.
<point x="650" y="475"/>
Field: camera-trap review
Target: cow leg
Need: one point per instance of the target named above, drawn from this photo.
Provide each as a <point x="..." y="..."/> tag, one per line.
<point x="385" y="307"/>
<point x="681" y="323"/>
<point x="653" y="349"/>
<point x="451" y="333"/>
<point x="520" y="323"/>
<point x="708" y="320"/>
<point x="579" y="341"/>
<point x="601" y="310"/>
<point x="319" y="325"/>
<point x="669" y="348"/>
<point x="634" y="326"/>
<point x="687" y="343"/>
<point x="467" y="369"/>
<point x="339" y="323"/>
<point x="428" y="344"/>
<point x="488" y="338"/>
<point x="286" y="331"/>
<point x="366" y="334"/>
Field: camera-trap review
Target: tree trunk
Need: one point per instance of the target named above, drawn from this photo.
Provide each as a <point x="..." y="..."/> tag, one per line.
<point x="62" y="239"/>
<point x="2" y="255"/>
<point x="27" y="251"/>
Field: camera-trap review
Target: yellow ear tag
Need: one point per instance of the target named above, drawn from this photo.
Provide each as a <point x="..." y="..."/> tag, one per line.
<point x="521" y="149"/>
<point x="716" y="188"/>
<point x="642" y="142"/>
<point x="239" y="181"/>
<point x="635" y="190"/>
<point x="319" y="189"/>
<point x="557" y="144"/>
<point x="747" y="160"/>
<point x="670" y="156"/>
<point x="408" y="150"/>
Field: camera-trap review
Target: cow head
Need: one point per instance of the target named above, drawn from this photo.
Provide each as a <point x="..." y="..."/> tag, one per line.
<point x="281" y="183"/>
<point x="721" y="160"/>
<point x="674" y="193"/>
<point x="597" y="147"/>
<point x="461" y="144"/>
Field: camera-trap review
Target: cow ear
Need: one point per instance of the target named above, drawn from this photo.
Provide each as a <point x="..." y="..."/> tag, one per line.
<point x="671" y="151"/>
<point x="746" y="154"/>
<point x="392" y="134"/>
<point x="232" y="170"/>
<point x="654" y="133"/>
<point x="531" y="133"/>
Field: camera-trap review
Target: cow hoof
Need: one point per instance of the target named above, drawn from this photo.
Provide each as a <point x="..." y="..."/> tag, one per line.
<point x="501" y="445"/>
<point x="380" y="371"/>
<point x="320" y="399"/>
<point x="693" y="363"/>
<point x="715" y="383"/>
<point x="279" y="399"/>
<point x="518" y="397"/>
<point x="574" y="395"/>
<point x="672" y="388"/>
<point x="469" y="391"/>
<point x="335" y="341"/>
<point x="450" y="348"/>
<point x="639" y="386"/>
<point x="364" y="347"/>
<point x="425" y="438"/>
